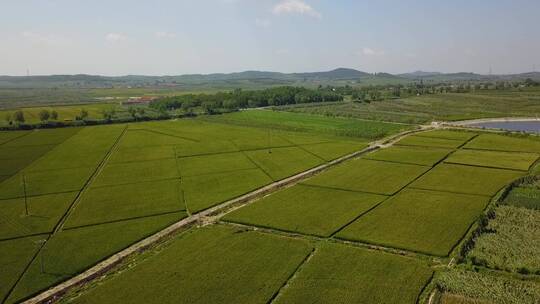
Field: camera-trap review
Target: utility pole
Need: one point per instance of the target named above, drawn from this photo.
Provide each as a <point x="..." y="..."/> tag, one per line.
<point x="24" y="193"/>
<point x="269" y="140"/>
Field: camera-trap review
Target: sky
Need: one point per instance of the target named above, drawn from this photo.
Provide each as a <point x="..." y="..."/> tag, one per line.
<point x="173" y="37"/>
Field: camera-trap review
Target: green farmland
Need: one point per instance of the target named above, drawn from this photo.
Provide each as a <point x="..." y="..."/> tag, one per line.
<point x="106" y="187"/>
<point x="353" y="232"/>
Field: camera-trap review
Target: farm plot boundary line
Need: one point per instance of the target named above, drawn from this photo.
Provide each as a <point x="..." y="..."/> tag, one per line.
<point x="164" y="133"/>
<point x="305" y="150"/>
<point x="498" y="150"/>
<point x="14" y="138"/>
<point x="53" y="147"/>
<point x="62" y="220"/>
<point x="343" y="189"/>
<point x="228" y="206"/>
<point x="397" y="162"/>
<point x="292" y="276"/>
<point x="180" y="189"/>
<point x="24" y="236"/>
<point x="316" y="238"/>
<point x="86" y="186"/>
<point x="257" y="165"/>
<point x="127" y="219"/>
<point x="483" y="166"/>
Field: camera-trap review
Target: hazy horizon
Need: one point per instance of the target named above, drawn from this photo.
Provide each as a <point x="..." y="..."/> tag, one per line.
<point x="223" y="36"/>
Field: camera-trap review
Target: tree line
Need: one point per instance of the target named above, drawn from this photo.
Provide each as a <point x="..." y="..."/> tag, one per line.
<point x="238" y="99"/>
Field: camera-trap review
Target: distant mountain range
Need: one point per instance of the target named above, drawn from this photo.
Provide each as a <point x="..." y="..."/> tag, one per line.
<point x="247" y="79"/>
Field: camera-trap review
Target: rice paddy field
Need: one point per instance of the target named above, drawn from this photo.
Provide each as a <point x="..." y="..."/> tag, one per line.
<point x="379" y="227"/>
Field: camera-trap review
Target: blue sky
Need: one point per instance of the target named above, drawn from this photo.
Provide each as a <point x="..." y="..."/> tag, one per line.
<point x="206" y="36"/>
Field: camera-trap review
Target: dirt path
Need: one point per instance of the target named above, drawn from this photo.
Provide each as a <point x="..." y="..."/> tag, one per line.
<point x="205" y="217"/>
<point x="483" y="120"/>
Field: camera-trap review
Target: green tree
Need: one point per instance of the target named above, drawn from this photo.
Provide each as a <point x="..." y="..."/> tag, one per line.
<point x="54" y="115"/>
<point x="208" y="107"/>
<point x="82" y="115"/>
<point x="133" y="112"/>
<point x="108" y="114"/>
<point x="44" y="115"/>
<point x="141" y="111"/>
<point x="8" y="118"/>
<point x="18" y="116"/>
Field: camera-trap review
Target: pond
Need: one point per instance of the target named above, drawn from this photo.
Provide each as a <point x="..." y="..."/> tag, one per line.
<point x="526" y="126"/>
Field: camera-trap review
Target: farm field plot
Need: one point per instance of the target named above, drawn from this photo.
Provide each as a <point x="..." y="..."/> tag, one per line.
<point x="368" y="176"/>
<point x="332" y="150"/>
<point x="44" y="182"/>
<point x="423" y="221"/>
<point x="504" y="143"/>
<point x="423" y="141"/>
<point x="15" y="153"/>
<point x="42" y="137"/>
<point x="306" y="209"/>
<point x="205" y="147"/>
<point x="87" y="148"/>
<point x="114" y="203"/>
<point x="223" y="186"/>
<point x="260" y="141"/>
<point x="44" y="212"/>
<point x="10" y="167"/>
<point x="343" y="274"/>
<point x="298" y="138"/>
<point x="280" y="163"/>
<point x="136" y="154"/>
<point x="192" y="269"/>
<point x="426" y="156"/>
<point x="448" y="134"/>
<point x="144" y="138"/>
<point x="15" y="255"/>
<point x="20" y="154"/>
<point x="496" y="159"/>
<point x="71" y="251"/>
<point x="288" y="121"/>
<point x="214" y="163"/>
<point x="466" y="179"/>
<point x="6" y="136"/>
<point x="129" y="173"/>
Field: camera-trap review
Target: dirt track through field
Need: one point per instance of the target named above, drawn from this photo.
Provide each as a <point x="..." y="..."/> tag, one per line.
<point x="209" y="216"/>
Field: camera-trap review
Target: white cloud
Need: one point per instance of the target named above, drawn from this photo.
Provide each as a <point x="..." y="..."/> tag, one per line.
<point x="115" y="37"/>
<point x="295" y="7"/>
<point x="264" y="23"/>
<point x="366" y="51"/>
<point x="163" y="34"/>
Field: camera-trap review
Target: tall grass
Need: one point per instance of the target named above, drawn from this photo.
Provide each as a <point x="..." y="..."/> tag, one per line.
<point x="489" y="287"/>
<point x="510" y="241"/>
